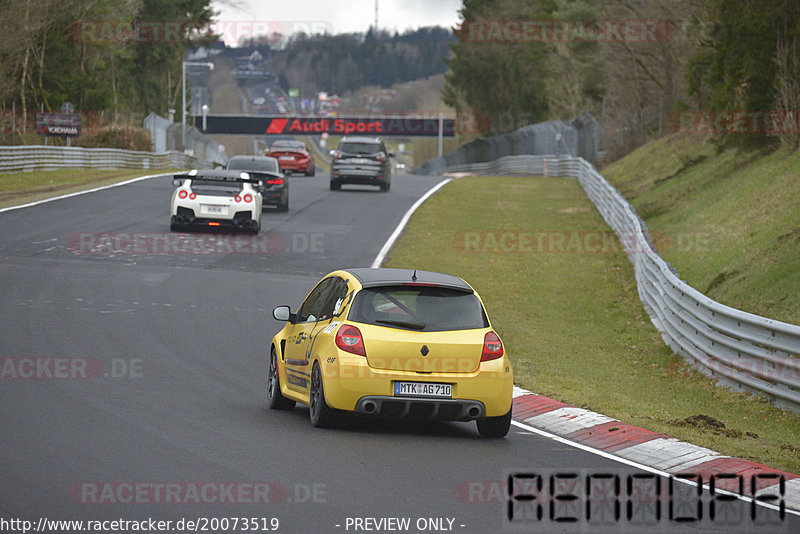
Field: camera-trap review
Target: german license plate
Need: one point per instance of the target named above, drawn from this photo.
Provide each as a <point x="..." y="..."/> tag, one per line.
<point x="423" y="389"/>
<point x="287" y="158"/>
<point x="212" y="209"/>
<point x="359" y="160"/>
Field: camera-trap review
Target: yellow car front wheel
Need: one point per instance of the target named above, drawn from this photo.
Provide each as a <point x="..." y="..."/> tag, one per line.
<point x="276" y="400"/>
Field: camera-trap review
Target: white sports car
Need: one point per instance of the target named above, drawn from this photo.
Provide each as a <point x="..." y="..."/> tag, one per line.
<point x="216" y="199"/>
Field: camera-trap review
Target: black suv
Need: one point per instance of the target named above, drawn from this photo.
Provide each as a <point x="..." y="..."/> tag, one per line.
<point x="361" y="160"/>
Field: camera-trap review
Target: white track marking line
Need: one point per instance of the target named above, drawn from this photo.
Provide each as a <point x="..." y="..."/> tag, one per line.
<point x="403" y="222"/>
<point x="84" y="192"/>
<point x="792" y="495"/>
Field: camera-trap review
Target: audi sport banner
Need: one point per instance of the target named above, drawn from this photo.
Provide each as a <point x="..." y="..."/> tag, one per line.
<point x="382" y="126"/>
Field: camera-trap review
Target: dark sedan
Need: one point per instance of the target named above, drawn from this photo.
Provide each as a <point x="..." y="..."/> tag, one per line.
<point x="275" y="189"/>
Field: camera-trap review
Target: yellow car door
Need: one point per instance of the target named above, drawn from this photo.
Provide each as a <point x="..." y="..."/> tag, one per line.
<point x="302" y="335"/>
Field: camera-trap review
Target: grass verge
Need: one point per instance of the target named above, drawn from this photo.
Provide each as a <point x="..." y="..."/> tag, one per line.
<point x="570" y="316"/>
<point x="22" y="187"/>
<point x="729" y="220"/>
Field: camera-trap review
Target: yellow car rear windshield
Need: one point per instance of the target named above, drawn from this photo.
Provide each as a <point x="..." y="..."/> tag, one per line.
<point x="429" y="309"/>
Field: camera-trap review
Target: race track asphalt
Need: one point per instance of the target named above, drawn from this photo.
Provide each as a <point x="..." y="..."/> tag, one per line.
<point x="173" y="336"/>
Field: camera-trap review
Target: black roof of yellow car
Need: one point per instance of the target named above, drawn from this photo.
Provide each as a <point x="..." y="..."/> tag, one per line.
<point x="389" y="277"/>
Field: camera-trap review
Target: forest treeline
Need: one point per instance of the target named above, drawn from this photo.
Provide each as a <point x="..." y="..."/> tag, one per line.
<point x="122" y="58"/>
<point x="347" y="62"/>
<point x="106" y="57"/>
<point x="642" y="67"/>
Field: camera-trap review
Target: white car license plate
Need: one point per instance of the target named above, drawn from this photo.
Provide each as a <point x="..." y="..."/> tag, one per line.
<point x="423" y="389"/>
<point x="287" y="158"/>
<point x="212" y="209"/>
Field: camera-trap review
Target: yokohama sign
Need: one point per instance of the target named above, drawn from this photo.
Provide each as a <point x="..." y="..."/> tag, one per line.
<point x="377" y="125"/>
<point x="58" y="124"/>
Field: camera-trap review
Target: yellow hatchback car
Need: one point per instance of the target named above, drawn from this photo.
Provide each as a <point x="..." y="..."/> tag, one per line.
<point x="392" y="342"/>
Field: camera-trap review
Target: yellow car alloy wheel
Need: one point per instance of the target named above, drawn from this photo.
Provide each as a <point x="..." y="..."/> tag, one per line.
<point x="320" y="413"/>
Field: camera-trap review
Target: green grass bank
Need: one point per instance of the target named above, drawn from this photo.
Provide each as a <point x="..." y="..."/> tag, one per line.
<point x="562" y="295"/>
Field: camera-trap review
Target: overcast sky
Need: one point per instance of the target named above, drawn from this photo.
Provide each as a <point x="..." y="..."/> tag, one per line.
<point x="313" y="16"/>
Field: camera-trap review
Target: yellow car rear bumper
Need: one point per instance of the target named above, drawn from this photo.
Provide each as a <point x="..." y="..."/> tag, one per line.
<point x="351" y="384"/>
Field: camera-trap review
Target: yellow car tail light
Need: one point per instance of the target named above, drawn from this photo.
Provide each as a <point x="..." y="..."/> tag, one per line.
<point x="348" y="339"/>
<point x="492" y="347"/>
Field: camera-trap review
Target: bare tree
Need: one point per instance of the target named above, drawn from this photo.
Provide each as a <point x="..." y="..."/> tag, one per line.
<point x="24" y="26"/>
<point x="787" y="92"/>
<point x="645" y="78"/>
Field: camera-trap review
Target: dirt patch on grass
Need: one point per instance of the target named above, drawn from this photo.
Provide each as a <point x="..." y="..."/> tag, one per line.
<point x="680" y="369"/>
<point x="720" y="279"/>
<point x="709" y="424"/>
<point x="687" y="162"/>
<point x="704" y="421"/>
<point x="794" y="233"/>
<point x="794" y="448"/>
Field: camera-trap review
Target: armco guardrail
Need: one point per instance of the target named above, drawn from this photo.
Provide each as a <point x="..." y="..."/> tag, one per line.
<point x="46" y="158"/>
<point x="578" y="137"/>
<point x="738" y="349"/>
